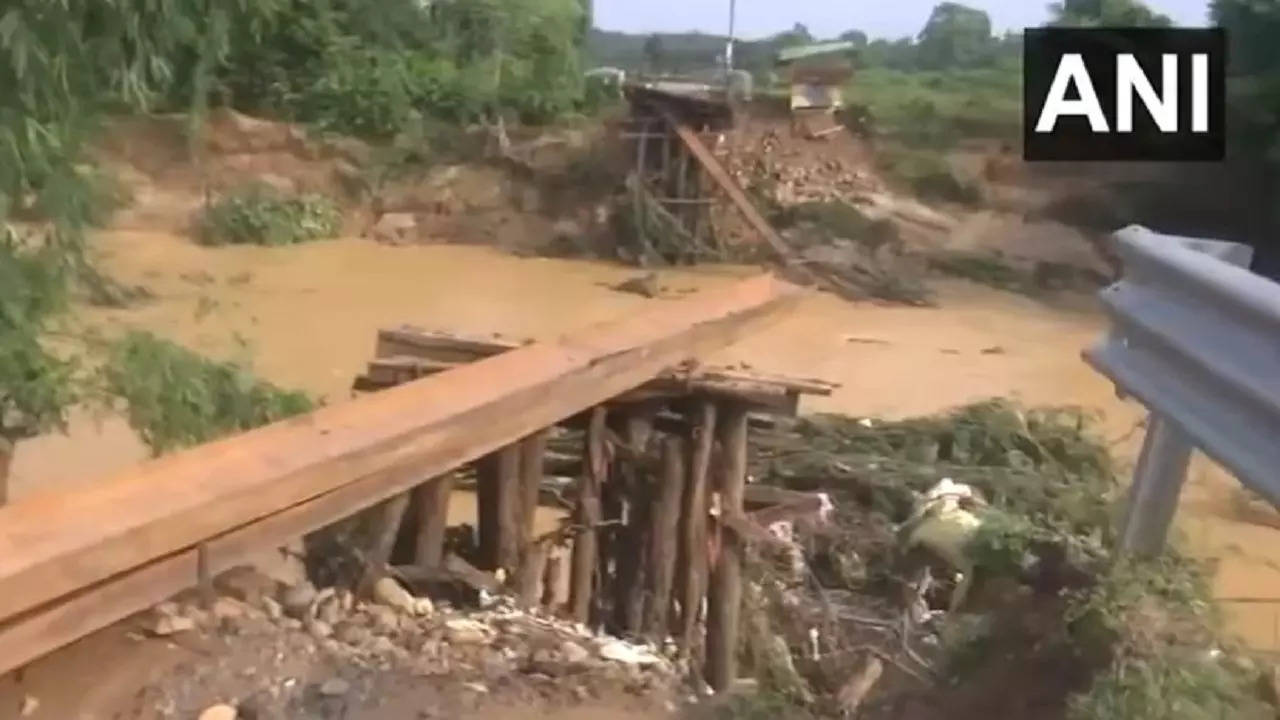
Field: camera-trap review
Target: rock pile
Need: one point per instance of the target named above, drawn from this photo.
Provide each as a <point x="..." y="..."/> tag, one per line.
<point x="300" y="646"/>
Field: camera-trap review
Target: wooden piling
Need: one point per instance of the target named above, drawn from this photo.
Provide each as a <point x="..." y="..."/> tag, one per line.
<point x="432" y="500"/>
<point x="631" y="536"/>
<point x="663" y="539"/>
<point x="724" y="598"/>
<point x="533" y="562"/>
<point x="385" y="526"/>
<point x="551" y="578"/>
<point x="497" y="476"/>
<point x="693" y="531"/>
<point x="587" y="516"/>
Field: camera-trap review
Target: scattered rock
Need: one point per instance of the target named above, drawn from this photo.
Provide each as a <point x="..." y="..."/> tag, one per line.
<point x="395" y="228"/>
<point x="163" y="625"/>
<point x="354" y="635"/>
<point x="225" y="608"/>
<point x="391" y="593"/>
<point x="297" y="599"/>
<point x="30" y="704"/>
<point x="335" y="687"/>
<point x="319" y="629"/>
<point x="627" y="654"/>
<point x="244" y="583"/>
<point x="385" y="619"/>
<point x="272" y="608"/>
<point x="219" y="712"/>
<point x="645" y="285"/>
<point x="993" y="350"/>
<point x="463" y="631"/>
<point x="574" y="653"/>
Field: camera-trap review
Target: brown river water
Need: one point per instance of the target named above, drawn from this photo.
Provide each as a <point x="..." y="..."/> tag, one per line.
<point x="306" y="317"/>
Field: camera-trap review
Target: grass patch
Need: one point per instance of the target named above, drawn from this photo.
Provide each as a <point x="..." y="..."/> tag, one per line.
<point x="176" y="398"/>
<point x="936" y="109"/>
<point x="258" y="214"/>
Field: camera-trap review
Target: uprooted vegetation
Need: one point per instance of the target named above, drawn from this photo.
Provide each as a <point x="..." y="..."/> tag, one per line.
<point x="1048" y="625"/>
<point x="258" y="214"/>
<point x="176" y="398"/>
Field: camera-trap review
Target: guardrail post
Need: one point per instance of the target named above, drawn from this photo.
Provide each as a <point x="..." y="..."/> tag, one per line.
<point x="1157" y="483"/>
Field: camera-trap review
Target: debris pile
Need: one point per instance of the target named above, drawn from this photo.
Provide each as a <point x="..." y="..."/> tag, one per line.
<point x="299" y="650"/>
<point x="784" y="177"/>
<point x="944" y="528"/>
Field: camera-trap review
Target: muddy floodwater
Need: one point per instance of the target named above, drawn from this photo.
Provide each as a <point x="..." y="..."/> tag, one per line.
<point x="306" y="317"/>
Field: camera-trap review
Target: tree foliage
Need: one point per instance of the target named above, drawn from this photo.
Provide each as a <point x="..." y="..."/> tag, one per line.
<point x="35" y="386"/>
<point x="1114" y="13"/>
<point x="956" y="36"/>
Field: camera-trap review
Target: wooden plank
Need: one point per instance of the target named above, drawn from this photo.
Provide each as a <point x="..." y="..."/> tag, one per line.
<point x="410" y="341"/>
<point x="57" y="543"/>
<point x="664" y="538"/>
<point x="731" y="188"/>
<point x="587" y="515"/>
<point x="49" y="628"/>
<point x="724" y="596"/>
<point x="694" y="522"/>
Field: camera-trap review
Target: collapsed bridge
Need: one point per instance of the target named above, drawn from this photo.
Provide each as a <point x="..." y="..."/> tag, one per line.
<point x="74" y="562"/>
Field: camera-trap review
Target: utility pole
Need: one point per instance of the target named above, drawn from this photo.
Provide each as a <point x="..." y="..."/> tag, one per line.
<point x="728" y="50"/>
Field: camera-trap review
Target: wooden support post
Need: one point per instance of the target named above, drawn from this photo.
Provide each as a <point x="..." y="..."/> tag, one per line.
<point x="724" y="603"/>
<point x="497" y="476"/>
<point x="204" y="577"/>
<point x="533" y="563"/>
<point x="629" y="548"/>
<point x="663" y="539"/>
<point x="693" y="531"/>
<point x="587" y="515"/>
<point x="432" y="499"/>
<point x="533" y="450"/>
<point x="552" y="576"/>
<point x="533" y="556"/>
<point x="385" y="522"/>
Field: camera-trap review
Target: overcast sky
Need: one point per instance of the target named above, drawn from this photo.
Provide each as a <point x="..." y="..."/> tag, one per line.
<point x="827" y="18"/>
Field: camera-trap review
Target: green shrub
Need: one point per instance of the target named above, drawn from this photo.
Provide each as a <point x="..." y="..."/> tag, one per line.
<point x="258" y="214"/>
<point x="176" y="398"/>
<point x="35" y="385"/>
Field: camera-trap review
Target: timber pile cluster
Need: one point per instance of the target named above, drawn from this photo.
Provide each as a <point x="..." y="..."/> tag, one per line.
<point x="675" y="215"/>
<point x="660" y="514"/>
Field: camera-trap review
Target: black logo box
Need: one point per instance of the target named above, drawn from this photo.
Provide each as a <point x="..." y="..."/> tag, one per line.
<point x="1074" y="140"/>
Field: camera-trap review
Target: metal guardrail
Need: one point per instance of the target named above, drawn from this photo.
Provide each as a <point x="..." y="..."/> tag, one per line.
<point x="1196" y="338"/>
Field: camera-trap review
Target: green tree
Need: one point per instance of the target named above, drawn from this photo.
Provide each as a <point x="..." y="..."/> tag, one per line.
<point x="857" y="37"/>
<point x="1116" y="13"/>
<point x="654" y="52"/>
<point x="955" y="36"/>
